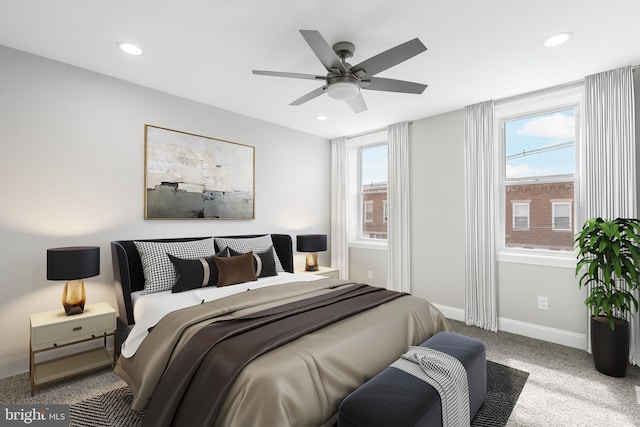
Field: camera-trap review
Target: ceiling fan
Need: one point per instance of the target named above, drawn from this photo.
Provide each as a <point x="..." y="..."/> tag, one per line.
<point x="344" y="81"/>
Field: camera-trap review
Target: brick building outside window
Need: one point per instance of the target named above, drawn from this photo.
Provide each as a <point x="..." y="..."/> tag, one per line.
<point x="550" y="214"/>
<point x="374" y="201"/>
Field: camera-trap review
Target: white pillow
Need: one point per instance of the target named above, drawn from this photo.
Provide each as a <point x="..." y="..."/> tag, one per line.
<point x="159" y="273"/>
<point x="248" y="244"/>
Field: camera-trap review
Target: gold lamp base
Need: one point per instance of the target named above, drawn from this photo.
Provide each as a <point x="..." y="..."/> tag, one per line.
<point x="74" y="297"/>
<point x="312" y="262"/>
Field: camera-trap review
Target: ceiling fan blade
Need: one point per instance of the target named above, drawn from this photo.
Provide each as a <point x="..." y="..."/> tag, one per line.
<point x="391" y="85"/>
<point x="308" y="97"/>
<point x="292" y="75"/>
<point x="323" y="51"/>
<point x="388" y="58"/>
<point x="357" y="104"/>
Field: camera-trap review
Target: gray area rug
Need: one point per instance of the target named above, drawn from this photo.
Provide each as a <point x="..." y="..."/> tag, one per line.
<point x="504" y="385"/>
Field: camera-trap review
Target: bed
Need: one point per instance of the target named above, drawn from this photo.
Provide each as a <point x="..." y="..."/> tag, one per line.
<point x="177" y="367"/>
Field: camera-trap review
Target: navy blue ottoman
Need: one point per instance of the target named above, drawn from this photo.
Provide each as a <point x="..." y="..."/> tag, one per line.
<point x="394" y="398"/>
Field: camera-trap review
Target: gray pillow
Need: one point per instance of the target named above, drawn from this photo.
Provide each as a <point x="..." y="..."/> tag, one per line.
<point x="249" y="244"/>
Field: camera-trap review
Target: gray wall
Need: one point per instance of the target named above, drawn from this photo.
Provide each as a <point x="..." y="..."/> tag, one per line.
<point x="437" y="208"/>
<point x="71" y="166"/>
<point x="368" y="266"/>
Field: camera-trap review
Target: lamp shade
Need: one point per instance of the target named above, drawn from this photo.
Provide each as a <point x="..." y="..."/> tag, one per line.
<point x="72" y="263"/>
<point x="311" y="242"/>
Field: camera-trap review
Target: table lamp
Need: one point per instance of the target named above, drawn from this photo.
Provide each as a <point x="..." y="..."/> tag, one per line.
<point x="311" y="243"/>
<point x="73" y="264"/>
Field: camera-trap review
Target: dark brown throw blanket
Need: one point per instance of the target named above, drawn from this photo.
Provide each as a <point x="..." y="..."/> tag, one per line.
<point x="195" y="385"/>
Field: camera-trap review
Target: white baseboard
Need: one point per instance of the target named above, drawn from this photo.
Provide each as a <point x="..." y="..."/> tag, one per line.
<point x="451" y="312"/>
<point x="531" y="330"/>
<point x="545" y="333"/>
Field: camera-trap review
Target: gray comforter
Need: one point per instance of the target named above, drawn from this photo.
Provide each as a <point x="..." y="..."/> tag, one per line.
<point x="302" y="382"/>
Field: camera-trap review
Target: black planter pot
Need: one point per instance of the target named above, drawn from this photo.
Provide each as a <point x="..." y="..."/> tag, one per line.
<point x="610" y="349"/>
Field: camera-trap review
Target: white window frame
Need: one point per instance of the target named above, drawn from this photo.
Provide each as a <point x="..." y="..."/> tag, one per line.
<point x="554" y="204"/>
<point x="513" y="214"/>
<point x="385" y="209"/>
<point x="356" y="205"/>
<point x="368" y="203"/>
<point x="537" y="103"/>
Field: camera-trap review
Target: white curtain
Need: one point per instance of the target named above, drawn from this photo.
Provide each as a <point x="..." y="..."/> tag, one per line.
<point x="398" y="223"/>
<point x="480" y="155"/>
<point x="339" y="207"/>
<point x="610" y="157"/>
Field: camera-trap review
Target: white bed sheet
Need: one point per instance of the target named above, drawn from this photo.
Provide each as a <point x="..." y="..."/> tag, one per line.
<point x="149" y="309"/>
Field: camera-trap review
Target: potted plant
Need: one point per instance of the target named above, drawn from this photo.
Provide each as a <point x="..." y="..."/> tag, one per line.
<point x="609" y="255"/>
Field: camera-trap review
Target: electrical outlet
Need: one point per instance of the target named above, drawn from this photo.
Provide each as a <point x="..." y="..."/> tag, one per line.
<point x="369" y="274"/>
<point x="543" y="303"/>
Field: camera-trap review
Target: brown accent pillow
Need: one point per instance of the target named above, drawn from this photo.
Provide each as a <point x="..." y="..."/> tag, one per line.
<point x="234" y="270"/>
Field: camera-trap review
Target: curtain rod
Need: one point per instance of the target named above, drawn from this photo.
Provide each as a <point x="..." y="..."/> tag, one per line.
<point x="540" y="91"/>
<point x="369" y="132"/>
<point x="548" y="89"/>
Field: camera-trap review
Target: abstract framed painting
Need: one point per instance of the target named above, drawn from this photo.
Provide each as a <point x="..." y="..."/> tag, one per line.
<point x="190" y="176"/>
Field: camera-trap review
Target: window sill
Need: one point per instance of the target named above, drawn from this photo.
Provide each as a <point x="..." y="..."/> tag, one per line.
<point x="361" y="244"/>
<point x="548" y="258"/>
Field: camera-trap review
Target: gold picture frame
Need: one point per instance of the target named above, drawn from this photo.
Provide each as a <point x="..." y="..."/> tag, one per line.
<point x="189" y="176"/>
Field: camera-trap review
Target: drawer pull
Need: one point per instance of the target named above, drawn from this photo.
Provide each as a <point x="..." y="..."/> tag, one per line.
<point x="77" y="328"/>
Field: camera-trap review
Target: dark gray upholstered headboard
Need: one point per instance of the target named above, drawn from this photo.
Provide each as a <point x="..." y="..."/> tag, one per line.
<point x="128" y="275"/>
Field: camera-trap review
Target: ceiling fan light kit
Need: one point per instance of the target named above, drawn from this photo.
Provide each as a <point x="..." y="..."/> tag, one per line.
<point x="342" y="89"/>
<point x="344" y="81"/>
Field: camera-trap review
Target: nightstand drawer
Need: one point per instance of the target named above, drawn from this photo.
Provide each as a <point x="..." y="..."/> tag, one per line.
<point x="72" y="330"/>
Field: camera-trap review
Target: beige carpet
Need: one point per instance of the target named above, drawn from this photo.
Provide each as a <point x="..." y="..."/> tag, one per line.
<point x="563" y="388"/>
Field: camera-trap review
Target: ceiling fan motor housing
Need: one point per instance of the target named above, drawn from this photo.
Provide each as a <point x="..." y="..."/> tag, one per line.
<point x="344" y="50"/>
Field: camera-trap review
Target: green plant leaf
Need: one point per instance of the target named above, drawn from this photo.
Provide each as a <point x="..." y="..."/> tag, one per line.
<point x="609" y="256"/>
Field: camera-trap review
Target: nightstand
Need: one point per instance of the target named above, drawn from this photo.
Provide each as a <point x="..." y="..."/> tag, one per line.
<point x="54" y="329"/>
<point x="331" y="272"/>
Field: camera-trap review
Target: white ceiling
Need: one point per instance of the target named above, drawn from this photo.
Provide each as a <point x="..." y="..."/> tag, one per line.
<point x="205" y="50"/>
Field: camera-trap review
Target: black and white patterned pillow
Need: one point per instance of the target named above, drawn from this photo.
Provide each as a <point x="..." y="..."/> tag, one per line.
<point x="248" y="244"/>
<point x="159" y="273"/>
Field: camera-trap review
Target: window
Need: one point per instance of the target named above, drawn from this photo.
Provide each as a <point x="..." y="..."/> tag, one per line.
<point x="539" y="141"/>
<point x="561" y="219"/>
<point x="368" y="211"/>
<point x="385" y="213"/>
<point x="367" y="169"/>
<point x="373" y="189"/>
<point x="520" y="216"/>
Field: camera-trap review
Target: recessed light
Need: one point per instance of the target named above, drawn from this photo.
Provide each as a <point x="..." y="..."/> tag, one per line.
<point x="556" y="39"/>
<point x="129" y="48"/>
<point x="321" y="117"/>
